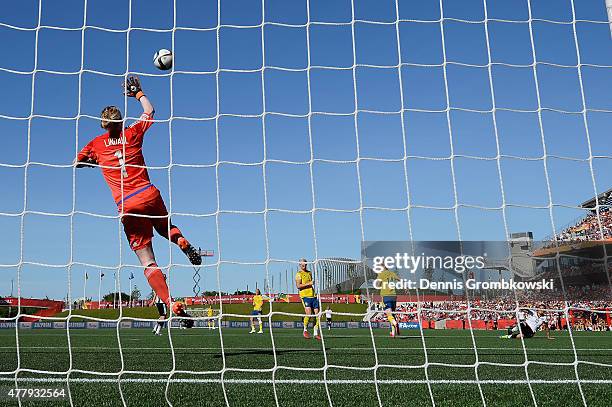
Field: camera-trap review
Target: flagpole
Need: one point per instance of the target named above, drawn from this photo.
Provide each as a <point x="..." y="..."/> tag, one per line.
<point x="84" y="288"/>
<point x="130" y="293"/>
<point x="99" y="288"/>
<point x="115" y="290"/>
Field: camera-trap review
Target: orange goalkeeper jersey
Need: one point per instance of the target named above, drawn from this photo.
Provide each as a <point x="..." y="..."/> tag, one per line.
<point x="123" y="165"/>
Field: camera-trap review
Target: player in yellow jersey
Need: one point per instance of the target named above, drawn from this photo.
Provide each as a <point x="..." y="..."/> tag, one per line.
<point x="258" y="301"/>
<point x="389" y="297"/>
<point x="210" y="313"/>
<point x="305" y="286"/>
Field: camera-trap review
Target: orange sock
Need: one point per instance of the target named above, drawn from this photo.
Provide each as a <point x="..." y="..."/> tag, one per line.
<point x="157" y="281"/>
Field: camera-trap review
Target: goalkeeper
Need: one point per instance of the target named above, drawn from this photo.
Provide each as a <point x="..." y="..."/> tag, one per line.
<point x="529" y="323"/>
<point x="118" y="152"/>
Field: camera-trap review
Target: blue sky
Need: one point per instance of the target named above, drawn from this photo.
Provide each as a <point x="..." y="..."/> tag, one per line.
<point x="356" y="141"/>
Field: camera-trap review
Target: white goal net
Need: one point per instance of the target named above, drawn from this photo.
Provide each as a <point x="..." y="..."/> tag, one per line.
<point x="289" y="130"/>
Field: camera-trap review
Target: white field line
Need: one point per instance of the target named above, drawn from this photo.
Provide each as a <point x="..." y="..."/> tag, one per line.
<point x="306" y="349"/>
<point x="295" y="381"/>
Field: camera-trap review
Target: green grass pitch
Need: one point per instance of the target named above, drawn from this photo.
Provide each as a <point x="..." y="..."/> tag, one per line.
<point x="249" y="378"/>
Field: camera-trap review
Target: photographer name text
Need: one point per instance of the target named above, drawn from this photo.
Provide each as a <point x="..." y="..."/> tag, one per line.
<point x="470" y="284"/>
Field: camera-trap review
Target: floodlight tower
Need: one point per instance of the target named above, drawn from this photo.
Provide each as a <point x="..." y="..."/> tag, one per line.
<point x="196" y="275"/>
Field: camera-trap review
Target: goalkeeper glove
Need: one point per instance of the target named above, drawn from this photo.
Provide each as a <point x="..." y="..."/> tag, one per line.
<point x="89" y="163"/>
<point x="133" y="88"/>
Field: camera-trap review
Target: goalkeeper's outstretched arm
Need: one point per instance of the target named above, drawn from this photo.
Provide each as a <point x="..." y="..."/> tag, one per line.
<point x="86" y="158"/>
<point x="147" y="107"/>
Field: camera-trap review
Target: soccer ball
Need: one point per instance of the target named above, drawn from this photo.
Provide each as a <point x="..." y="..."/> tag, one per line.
<point x="163" y="59"/>
<point x="178" y="307"/>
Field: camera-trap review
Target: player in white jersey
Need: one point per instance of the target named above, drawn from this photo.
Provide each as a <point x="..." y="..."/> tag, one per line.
<point x="162" y="310"/>
<point x="328" y="317"/>
<point x="529" y="323"/>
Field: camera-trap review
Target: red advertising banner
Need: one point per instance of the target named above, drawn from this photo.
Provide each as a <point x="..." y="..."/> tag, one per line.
<point x="47" y="307"/>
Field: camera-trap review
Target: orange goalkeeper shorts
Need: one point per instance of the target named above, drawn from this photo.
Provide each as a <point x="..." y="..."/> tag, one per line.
<point x="152" y="213"/>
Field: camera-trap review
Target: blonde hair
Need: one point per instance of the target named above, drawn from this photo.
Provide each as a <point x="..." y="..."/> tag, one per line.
<point x="109" y="115"/>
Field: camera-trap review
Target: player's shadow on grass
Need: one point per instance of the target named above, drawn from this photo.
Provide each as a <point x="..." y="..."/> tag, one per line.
<point x="344" y="337"/>
<point x="266" y="352"/>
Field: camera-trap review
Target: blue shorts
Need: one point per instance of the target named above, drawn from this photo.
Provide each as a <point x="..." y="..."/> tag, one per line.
<point x="255" y="312"/>
<point x="390" y="303"/>
<point x="310" y="302"/>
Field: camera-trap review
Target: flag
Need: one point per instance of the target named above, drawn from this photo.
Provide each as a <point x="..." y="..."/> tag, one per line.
<point x="131" y="276"/>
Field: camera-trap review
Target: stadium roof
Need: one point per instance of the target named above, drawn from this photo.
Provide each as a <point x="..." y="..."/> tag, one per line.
<point x="605" y="196"/>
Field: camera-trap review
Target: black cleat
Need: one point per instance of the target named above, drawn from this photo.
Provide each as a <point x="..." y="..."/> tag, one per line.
<point x="192" y="254"/>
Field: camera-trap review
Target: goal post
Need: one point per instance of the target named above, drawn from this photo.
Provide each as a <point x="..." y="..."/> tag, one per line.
<point x="609" y="9"/>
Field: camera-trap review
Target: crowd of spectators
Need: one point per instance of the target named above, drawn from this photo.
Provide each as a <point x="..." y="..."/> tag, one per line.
<point x="589" y="306"/>
<point x="588" y="228"/>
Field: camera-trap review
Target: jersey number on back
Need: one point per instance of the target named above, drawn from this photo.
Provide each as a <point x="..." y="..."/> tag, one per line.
<point x="119" y="155"/>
